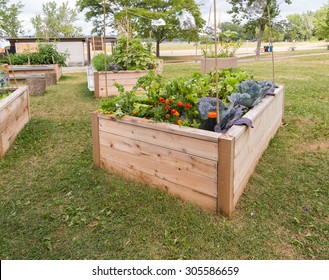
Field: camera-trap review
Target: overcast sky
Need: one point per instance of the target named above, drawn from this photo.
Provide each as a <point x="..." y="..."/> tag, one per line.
<point x="34" y="7"/>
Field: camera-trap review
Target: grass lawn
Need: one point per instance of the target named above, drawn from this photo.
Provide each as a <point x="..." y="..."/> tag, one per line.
<point x="56" y="205"/>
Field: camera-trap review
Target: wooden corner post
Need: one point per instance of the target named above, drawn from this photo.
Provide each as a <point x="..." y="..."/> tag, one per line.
<point x="225" y="177"/>
<point x="95" y="137"/>
<point x="96" y="84"/>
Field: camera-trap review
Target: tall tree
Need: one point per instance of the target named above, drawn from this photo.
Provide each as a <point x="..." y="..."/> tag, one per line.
<point x="300" y="26"/>
<point x="257" y="14"/>
<point x="142" y="12"/>
<point x="321" y="22"/>
<point x="56" y="21"/>
<point x="9" y="21"/>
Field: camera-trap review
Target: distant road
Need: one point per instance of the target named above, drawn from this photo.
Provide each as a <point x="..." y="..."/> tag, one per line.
<point x="245" y="51"/>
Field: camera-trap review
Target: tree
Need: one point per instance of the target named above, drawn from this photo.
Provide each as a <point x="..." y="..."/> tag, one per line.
<point x="9" y="21"/>
<point x="321" y="22"/>
<point x="230" y="26"/>
<point x="141" y="13"/>
<point x="56" y="21"/>
<point x="300" y="26"/>
<point x="257" y="13"/>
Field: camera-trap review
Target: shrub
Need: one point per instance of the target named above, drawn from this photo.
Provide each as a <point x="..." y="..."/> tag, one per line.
<point x="47" y="54"/>
<point x="136" y="57"/>
<point x="98" y="61"/>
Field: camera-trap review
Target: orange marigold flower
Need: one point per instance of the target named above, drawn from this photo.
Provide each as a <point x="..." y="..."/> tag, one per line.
<point x="167" y="107"/>
<point x="135" y="113"/>
<point x="168" y="101"/>
<point x="180" y="103"/>
<point x="173" y="111"/>
<point x="188" y="106"/>
<point x="178" y="122"/>
<point x="176" y="114"/>
<point x="167" y="116"/>
<point x="162" y="100"/>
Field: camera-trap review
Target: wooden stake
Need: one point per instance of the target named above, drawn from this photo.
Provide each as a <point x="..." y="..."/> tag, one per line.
<point x="105" y="62"/>
<point x="205" y="57"/>
<point x="271" y="40"/>
<point x="216" y="65"/>
<point x="12" y="70"/>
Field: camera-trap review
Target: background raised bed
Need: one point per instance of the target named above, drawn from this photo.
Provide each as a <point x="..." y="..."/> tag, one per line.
<point x="24" y="71"/>
<point x="14" y="114"/>
<point x="208" y="64"/>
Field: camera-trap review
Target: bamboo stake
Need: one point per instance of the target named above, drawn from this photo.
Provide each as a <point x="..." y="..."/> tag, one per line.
<point x="216" y="65"/>
<point x="12" y="70"/>
<point x="105" y="62"/>
<point x="205" y="57"/>
<point x="271" y="41"/>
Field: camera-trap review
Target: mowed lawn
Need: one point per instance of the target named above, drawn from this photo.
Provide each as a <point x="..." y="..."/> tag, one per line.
<point x="55" y="204"/>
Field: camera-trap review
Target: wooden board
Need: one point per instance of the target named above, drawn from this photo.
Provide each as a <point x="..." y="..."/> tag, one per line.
<point x="250" y="143"/>
<point x="104" y="82"/>
<point x="28" y="70"/>
<point x="14" y="114"/>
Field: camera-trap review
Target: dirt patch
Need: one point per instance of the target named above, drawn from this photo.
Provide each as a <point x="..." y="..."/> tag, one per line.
<point x="318" y="146"/>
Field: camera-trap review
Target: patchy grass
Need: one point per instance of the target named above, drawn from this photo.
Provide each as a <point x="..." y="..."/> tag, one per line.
<point x="56" y="205"/>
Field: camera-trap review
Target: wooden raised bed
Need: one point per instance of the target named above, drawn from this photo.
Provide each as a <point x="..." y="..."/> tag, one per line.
<point x="14" y="114"/>
<point x="205" y="168"/>
<point x="27" y="70"/>
<point x="208" y="64"/>
<point x="126" y="78"/>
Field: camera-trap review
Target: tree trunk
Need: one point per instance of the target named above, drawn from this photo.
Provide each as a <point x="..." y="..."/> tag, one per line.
<point x="157" y="49"/>
<point x="259" y="40"/>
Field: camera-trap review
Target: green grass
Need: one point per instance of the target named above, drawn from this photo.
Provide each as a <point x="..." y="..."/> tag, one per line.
<point x="56" y="205"/>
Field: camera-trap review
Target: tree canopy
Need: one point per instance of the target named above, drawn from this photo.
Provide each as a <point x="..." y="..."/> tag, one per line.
<point x="56" y="21"/>
<point x="256" y="13"/>
<point x="9" y="21"/>
<point x="321" y="22"/>
<point x="141" y="13"/>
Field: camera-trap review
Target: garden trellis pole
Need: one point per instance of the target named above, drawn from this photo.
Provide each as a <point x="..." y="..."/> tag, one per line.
<point x="271" y="40"/>
<point x="216" y="64"/>
<point x="105" y="62"/>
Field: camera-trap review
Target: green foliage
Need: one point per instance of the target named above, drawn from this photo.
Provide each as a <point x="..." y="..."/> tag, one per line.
<point x="300" y="26"/>
<point x="9" y="20"/>
<point x="321" y="22"/>
<point x="47" y="54"/>
<point x="227" y="47"/>
<point x="256" y="14"/>
<point x="133" y="55"/>
<point x="56" y="21"/>
<point x="142" y="12"/>
<point x="98" y="61"/>
<point x="175" y="100"/>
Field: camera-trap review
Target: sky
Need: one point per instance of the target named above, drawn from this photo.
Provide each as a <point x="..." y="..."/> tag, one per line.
<point x="31" y="10"/>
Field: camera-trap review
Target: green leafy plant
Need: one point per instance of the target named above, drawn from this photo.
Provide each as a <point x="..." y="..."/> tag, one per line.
<point x="131" y="54"/>
<point x="47" y="54"/>
<point x="228" y="45"/>
<point x="98" y="62"/>
<point x="175" y="100"/>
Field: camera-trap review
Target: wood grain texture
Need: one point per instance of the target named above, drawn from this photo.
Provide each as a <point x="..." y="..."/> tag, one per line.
<point x="14" y="114"/>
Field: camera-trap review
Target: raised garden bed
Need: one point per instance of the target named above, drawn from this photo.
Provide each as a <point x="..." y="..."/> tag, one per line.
<point x="22" y="71"/>
<point x="126" y="78"/>
<point x="14" y="114"/>
<point x="208" y="64"/>
<point x="206" y="168"/>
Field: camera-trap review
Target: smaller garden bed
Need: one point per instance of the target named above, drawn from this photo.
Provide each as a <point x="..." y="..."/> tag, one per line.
<point x="126" y="78"/>
<point x="26" y="71"/>
<point x="208" y="64"/>
<point x="14" y="114"/>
